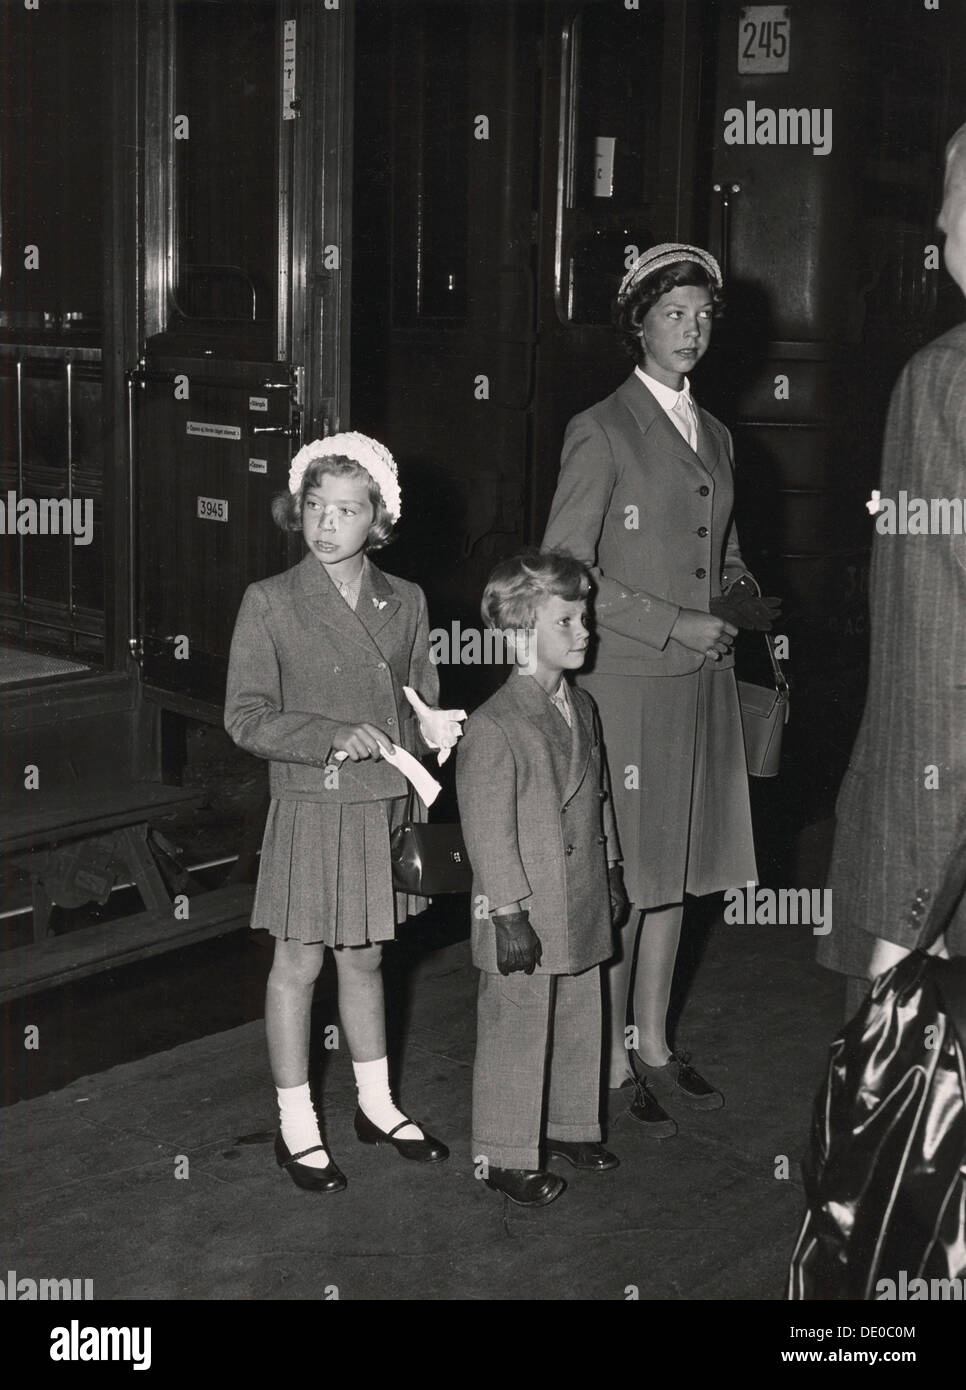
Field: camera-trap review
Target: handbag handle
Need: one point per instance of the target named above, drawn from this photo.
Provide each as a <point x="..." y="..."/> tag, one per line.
<point x="781" y="683"/>
<point x="951" y="890"/>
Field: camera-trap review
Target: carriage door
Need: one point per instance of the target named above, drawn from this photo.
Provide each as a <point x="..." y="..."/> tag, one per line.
<point x="241" y="301"/>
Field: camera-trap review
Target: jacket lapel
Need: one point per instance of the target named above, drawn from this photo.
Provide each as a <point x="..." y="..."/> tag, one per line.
<point x="581" y="744"/>
<point x="323" y="605"/>
<point x="707" y="447"/>
<point x="378" y="604"/>
<point x="651" y="416"/>
<point x="535" y="704"/>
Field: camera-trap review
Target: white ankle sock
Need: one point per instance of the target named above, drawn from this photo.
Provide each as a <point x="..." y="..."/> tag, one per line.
<point x="300" y="1128"/>
<point x="375" y="1098"/>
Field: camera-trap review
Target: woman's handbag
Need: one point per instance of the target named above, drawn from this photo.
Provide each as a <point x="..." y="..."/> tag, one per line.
<point x="764" y="714"/>
<point x="885" y="1175"/>
<point x="429" y="858"/>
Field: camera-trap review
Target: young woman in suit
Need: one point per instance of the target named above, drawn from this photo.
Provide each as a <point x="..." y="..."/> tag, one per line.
<point x="645" y="499"/>
<point x="318" y="661"/>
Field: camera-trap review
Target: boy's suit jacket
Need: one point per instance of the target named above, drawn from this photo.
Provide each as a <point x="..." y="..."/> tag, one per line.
<point x="302" y="663"/>
<point x="652" y="520"/>
<point x="538" y="823"/>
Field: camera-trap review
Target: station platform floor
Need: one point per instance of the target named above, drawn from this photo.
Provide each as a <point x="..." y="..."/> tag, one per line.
<point x="155" y="1178"/>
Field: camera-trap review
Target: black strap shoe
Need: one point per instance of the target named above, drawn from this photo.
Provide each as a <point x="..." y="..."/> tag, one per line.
<point x="425" y="1150"/>
<point x="526" y="1187"/>
<point x="645" y="1110"/>
<point x="585" y="1154"/>
<point x="327" y="1179"/>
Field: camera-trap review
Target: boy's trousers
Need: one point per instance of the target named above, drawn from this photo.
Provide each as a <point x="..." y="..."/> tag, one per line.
<point x="528" y="1025"/>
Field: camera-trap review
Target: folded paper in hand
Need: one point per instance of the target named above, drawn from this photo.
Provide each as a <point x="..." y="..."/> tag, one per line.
<point x="426" y="785"/>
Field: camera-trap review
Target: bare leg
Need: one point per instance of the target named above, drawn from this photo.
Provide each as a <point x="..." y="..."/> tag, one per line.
<point x="656" y="954"/>
<point x="617" y="973"/>
<point x="288" y="1009"/>
<point x="362" y="1006"/>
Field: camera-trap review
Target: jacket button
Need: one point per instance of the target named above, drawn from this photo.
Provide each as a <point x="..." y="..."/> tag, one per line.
<point x="703" y="490"/>
<point x="390" y="721"/>
<point x="382" y="666"/>
<point x="570" y="849"/>
<point x="700" y="574"/>
<point x="563" y="810"/>
<point x="702" y="531"/>
<point x="337" y="669"/>
<point x="602" y="839"/>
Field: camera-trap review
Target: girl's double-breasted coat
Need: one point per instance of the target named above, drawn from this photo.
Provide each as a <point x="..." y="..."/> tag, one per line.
<point x="302" y="664"/>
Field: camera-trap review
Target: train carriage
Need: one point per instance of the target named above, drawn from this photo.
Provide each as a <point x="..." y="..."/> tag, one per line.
<point x="230" y="226"/>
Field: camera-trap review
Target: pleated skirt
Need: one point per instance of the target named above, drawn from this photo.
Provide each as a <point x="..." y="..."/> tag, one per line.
<point x="325" y="874"/>
<point x="676" y="755"/>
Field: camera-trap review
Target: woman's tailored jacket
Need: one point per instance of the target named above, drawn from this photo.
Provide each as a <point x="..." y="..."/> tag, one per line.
<point x="652" y="520"/>
<point x="538" y="824"/>
<point x="302" y="663"/>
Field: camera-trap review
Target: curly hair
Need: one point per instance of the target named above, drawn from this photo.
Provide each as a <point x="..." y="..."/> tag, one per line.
<point x="287" y="507"/>
<point x="517" y="585"/>
<point x="629" y="314"/>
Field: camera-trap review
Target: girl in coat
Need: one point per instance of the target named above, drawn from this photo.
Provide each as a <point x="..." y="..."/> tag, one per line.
<point x="645" y="499"/>
<point x="319" y="657"/>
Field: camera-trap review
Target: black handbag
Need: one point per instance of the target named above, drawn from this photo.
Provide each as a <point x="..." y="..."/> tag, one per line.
<point x="429" y="857"/>
<point x="885" y="1176"/>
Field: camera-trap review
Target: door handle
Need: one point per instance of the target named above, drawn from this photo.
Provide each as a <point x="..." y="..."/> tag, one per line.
<point x="290" y="430"/>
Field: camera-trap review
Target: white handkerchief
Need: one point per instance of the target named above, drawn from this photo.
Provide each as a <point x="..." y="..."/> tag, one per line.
<point x="426" y="785"/>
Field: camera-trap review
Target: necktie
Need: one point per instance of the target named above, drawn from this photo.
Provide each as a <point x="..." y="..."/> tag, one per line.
<point x="682" y="413"/>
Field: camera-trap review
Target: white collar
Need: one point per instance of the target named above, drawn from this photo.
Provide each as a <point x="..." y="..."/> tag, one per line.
<point x="663" y="394"/>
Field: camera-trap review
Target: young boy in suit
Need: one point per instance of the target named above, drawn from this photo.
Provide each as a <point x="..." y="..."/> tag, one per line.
<point x="536" y="815"/>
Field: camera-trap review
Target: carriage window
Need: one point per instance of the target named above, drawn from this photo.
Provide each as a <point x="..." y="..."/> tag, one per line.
<point x="616" y="107"/>
<point x="54" y="86"/>
<point x="612" y="144"/>
<point x="224" y="141"/>
<point x="432" y="164"/>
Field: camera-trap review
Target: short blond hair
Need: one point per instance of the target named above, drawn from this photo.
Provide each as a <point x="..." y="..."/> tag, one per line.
<point x="519" y="585"/>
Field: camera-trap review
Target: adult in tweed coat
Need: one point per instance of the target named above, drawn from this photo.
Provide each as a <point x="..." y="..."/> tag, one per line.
<point x="905" y="788"/>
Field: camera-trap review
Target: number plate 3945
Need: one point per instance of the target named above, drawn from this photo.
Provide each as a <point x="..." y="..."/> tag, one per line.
<point x="213" y="508"/>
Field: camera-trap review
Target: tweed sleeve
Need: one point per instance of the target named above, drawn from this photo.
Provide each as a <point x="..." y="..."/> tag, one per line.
<point x="486" y="787"/>
<point x="580" y="505"/>
<point x="255" y="716"/>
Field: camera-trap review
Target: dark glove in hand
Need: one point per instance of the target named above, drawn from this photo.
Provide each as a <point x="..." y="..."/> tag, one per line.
<point x="619" y="904"/>
<point x="747" y="610"/>
<point x="517" y="944"/>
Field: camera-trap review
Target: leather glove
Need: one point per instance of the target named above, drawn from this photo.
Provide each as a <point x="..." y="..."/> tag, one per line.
<point x="747" y="610"/>
<point x="619" y="903"/>
<point x="517" y="945"/>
